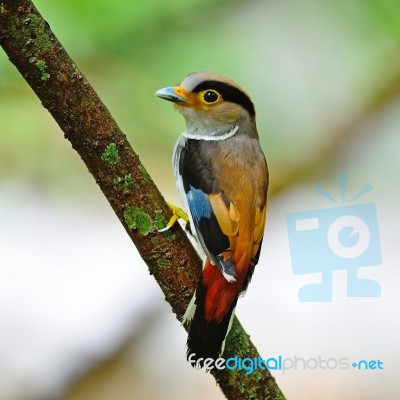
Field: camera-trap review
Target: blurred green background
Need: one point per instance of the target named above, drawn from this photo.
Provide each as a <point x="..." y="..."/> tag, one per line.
<point x="311" y="68"/>
<point x="325" y="79"/>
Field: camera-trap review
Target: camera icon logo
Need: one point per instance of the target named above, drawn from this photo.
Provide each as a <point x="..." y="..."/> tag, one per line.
<point x="345" y="237"/>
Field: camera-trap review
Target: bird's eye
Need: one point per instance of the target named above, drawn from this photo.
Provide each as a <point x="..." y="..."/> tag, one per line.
<point x="211" y="96"/>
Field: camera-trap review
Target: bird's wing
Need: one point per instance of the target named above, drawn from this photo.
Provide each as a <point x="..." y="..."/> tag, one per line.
<point x="214" y="216"/>
<point x="214" y="228"/>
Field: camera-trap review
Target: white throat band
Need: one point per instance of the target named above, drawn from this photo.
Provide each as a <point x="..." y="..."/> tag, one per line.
<point x="224" y="136"/>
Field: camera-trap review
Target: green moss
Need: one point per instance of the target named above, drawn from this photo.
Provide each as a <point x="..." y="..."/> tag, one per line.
<point x="126" y="182"/>
<point x="136" y="219"/>
<point x="170" y="236"/>
<point x="159" y="221"/>
<point x="129" y="182"/>
<point x="235" y="380"/>
<point x="281" y="396"/>
<point x="41" y="66"/>
<point x="34" y="31"/>
<point x="118" y="181"/>
<point x="237" y="340"/>
<point x="163" y="262"/>
<point x="42" y="41"/>
<point x="144" y="172"/>
<point x="257" y="385"/>
<point x="256" y="375"/>
<point x="110" y="154"/>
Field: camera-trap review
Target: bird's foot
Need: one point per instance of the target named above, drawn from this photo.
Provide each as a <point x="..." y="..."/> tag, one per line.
<point x="177" y="213"/>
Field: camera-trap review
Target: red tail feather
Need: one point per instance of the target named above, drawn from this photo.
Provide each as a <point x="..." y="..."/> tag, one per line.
<point x="215" y="302"/>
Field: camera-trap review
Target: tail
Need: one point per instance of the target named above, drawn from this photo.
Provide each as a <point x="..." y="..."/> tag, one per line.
<point x="210" y="315"/>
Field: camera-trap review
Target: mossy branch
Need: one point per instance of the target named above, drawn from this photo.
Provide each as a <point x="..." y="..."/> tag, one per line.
<point x="40" y="58"/>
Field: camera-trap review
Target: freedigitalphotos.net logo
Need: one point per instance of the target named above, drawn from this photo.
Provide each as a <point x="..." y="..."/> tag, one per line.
<point x="284" y="364"/>
<point x="345" y="237"/>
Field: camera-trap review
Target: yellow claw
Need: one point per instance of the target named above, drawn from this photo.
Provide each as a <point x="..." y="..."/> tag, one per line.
<point x="177" y="213"/>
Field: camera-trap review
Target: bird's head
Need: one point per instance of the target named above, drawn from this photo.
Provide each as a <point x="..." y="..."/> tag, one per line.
<point x="211" y="104"/>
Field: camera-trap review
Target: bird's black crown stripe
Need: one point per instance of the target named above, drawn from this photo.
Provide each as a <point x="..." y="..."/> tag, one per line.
<point x="228" y="93"/>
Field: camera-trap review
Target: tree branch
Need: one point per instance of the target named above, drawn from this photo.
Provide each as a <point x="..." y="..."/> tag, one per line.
<point x="87" y="124"/>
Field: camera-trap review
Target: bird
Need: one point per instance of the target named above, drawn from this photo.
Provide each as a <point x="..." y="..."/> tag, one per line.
<point x="222" y="178"/>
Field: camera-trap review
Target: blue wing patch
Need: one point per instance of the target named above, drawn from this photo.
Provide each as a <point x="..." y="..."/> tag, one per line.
<point x="206" y="224"/>
<point x="199" y="204"/>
